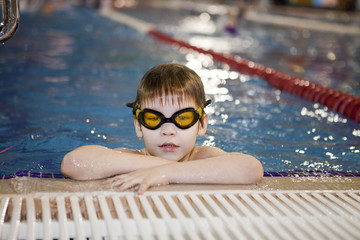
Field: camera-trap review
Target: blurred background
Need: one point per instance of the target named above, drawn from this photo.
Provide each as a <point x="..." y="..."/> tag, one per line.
<point x="342" y="5"/>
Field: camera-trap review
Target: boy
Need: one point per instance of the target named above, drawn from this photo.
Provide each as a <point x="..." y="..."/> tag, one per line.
<point x="169" y="115"/>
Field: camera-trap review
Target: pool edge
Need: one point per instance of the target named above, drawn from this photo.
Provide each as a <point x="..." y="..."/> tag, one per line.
<point x="26" y="185"/>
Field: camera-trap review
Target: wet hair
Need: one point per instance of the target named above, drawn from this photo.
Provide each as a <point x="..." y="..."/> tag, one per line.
<point x="170" y="79"/>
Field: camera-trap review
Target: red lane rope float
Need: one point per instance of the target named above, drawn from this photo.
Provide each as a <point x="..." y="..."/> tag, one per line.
<point x="344" y="103"/>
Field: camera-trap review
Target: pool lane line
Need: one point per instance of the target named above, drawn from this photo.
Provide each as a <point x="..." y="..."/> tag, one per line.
<point x="344" y="103"/>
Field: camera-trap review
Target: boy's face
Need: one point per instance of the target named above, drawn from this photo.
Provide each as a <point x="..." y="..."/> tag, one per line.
<point x="169" y="141"/>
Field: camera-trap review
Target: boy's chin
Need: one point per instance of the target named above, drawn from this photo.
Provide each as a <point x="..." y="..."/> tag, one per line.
<point x="174" y="157"/>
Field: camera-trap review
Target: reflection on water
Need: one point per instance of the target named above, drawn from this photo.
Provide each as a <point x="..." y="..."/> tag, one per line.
<point x="246" y="114"/>
<point x="323" y="112"/>
<point x="59" y="45"/>
<point x="201" y="24"/>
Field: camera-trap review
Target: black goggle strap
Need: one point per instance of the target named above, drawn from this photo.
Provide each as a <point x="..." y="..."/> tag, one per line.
<point x="208" y="102"/>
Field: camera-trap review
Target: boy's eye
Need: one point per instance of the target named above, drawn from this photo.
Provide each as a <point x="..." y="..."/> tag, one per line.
<point x="151" y="119"/>
<point x="185" y="118"/>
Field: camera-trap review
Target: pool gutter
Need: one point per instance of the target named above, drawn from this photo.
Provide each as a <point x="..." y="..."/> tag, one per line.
<point x="224" y="214"/>
<point x="26" y="185"/>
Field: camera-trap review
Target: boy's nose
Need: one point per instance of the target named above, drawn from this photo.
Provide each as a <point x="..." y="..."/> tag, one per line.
<point x="168" y="129"/>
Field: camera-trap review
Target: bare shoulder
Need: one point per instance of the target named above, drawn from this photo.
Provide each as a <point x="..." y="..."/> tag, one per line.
<point x="202" y="152"/>
<point x="127" y="150"/>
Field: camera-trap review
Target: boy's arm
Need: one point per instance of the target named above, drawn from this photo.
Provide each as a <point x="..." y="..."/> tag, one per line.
<point x="96" y="162"/>
<point x="229" y="168"/>
<point x="214" y="167"/>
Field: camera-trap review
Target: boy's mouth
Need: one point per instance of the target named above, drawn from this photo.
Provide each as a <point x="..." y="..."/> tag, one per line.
<point x="168" y="147"/>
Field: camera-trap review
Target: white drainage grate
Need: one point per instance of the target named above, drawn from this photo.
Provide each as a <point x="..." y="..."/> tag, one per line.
<point x="179" y="215"/>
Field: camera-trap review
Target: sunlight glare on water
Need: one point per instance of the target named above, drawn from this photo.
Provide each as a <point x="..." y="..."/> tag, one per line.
<point x="312" y="147"/>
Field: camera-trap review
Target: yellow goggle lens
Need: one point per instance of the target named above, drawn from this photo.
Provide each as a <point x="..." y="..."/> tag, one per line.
<point x="151" y="119"/>
<point x="185" y="118"/>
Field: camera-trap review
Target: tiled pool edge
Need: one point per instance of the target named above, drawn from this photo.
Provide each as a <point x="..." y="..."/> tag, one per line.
<point x="296" y="173"/>
<point x="32" y="175"/>
<point x="26" y="184"/>
<point x="312" y="173"/>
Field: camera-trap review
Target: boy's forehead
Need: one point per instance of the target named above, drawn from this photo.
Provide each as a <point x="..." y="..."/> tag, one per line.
<point x="174" y="100"/>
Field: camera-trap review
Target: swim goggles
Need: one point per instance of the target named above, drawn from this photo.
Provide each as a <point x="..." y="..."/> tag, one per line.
<point x="183" y="119"/>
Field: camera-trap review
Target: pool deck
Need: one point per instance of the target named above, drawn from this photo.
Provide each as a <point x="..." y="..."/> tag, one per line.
<point x="26" y="185"/>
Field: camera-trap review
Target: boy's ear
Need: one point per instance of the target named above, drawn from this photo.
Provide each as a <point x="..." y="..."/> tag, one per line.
<point x="138" y="131"/>
<point x="203" y="125"/>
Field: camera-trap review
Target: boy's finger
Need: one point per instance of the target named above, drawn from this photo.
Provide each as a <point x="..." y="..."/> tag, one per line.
<point x="117" y="180"/>
<point x="142" y="189"/>
<point x="106" y="182"/>
<point x="110" y="180"/>
<point x="126" y="185"/>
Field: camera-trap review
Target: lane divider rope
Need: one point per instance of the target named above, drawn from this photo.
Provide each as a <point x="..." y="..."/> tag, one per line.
<point x="344" y="103"/>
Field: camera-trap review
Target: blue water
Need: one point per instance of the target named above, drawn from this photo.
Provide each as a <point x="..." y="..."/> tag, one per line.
<point x="66" y="76"/>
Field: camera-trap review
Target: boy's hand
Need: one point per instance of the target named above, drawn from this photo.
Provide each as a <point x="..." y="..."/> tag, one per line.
<point x="143" y="178"/>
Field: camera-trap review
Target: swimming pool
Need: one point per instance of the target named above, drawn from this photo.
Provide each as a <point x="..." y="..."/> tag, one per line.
<point x="67" y="74"/>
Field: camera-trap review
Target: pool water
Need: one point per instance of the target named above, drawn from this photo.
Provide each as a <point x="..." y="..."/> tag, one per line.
<point x="67" y="74"/>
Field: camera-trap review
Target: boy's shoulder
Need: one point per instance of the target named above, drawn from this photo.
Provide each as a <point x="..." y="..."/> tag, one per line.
<point x="201" y="152"/>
